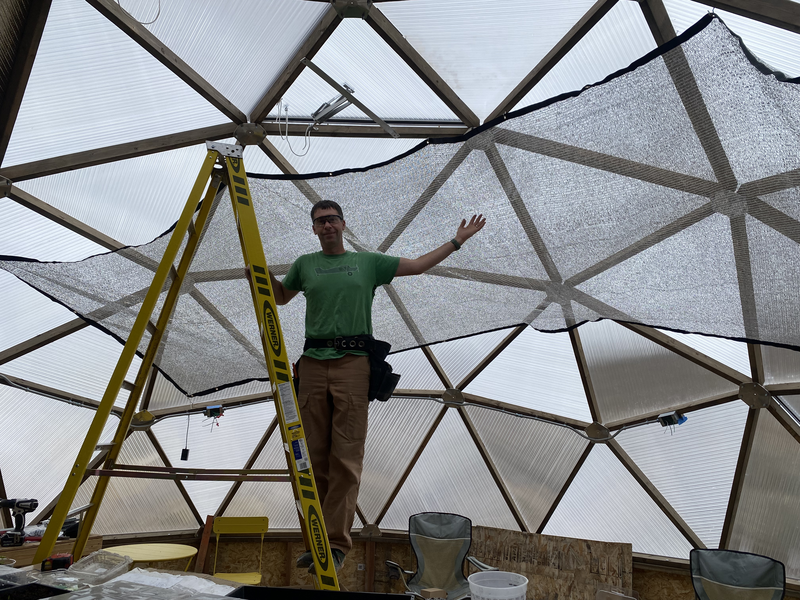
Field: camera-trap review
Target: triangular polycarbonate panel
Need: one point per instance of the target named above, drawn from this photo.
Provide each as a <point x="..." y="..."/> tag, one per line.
<point x="459" y="357"/>
<point x="502" y="246"/>
<point x="225" y="443"/>
<point x="633" y="376"/>
<point x="615" y="41"/>
<point x="767" y="515"/>
<point x="776" y="299"/>
<point x="386" y="453"/>
<point x="604" y="502"/>
<point x="104" y="87"/>
<point x="355" y="55"/>
<point x="693" y="269"/>
<point x="272" y="499"/>
<point x="81" y="363"/>
<point x="416" y="372"/>
<point x="693" y="464"/>
<point x="202" y="34"/>
<point x="137" y="505"/>
<point x="450" y="476"/>
<point x="781" y="365"/>
<point x="155" y="188"/>
<point x="31" y="468"/>
<point x="776" y="46"/>
<point x="483" y="51"/>
<point x="538" y="371"/>
<point x="28" y="234"/>
<point x="567" y="220"/>
<point x="516" y="446"/>
<point x="26" y="312"/>
<point x="729" y="352"/>
<point x="327" y="154"/>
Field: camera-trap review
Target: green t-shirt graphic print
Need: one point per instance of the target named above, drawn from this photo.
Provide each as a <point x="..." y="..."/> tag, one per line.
<point x="339" y="289"/>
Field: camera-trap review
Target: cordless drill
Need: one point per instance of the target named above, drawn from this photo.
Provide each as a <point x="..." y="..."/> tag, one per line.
<point x="19" y="507"/>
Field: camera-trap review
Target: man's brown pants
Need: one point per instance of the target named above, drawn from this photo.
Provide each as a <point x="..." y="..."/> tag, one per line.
<point x="333" y="405"/>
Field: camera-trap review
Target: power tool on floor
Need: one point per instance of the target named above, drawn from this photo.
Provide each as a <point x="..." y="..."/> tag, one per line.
<point x="19" y="508"/>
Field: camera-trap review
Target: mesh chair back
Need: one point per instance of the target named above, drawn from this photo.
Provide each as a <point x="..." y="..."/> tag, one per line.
<point x="440" y="542"/>
<point x="729" y="575"/>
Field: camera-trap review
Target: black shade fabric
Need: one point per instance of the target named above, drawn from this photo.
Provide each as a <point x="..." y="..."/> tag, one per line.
<point x="666" y="195"/>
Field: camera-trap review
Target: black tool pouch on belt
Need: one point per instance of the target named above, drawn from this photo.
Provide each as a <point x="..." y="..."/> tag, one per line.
<point x="381" y="379"/>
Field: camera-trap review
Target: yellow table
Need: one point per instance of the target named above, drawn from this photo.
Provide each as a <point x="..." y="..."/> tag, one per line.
<point x="155" y="552"/>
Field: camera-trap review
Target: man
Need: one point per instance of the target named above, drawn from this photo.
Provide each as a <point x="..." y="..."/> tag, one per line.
<point x="339" y="287"/>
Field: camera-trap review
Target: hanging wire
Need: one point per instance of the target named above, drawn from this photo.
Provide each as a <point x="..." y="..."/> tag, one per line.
<point x="158" y="14"/>
<point x="188" y="420"/>
<point x="285" y="137"/>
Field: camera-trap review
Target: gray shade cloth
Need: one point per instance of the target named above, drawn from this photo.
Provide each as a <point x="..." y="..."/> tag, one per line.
<point x="728" y="575"/>
<point x="666" y="195"/>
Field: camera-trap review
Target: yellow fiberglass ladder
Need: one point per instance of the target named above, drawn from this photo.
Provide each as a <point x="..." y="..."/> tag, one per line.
<point x="232" y="174"/>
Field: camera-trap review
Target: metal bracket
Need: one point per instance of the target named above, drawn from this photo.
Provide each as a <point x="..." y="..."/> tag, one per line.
<point x="754" y="395"/>
<point x="597" y="433"/>
<point x="453" y="396"/>
<point x="5" y="187"/>
<point x="352" y="9"/>
<point x="249" y="134"/>
<point x="332" y="82"/>
<point x="225" y="149"/>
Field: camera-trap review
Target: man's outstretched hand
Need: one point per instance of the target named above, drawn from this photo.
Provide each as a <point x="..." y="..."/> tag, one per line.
<point x="467" y="230"/>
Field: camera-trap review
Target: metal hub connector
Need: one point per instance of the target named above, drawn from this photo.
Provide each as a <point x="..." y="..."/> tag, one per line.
<point x="249" y="134"/>
<point x="453" y="396"/>
<point x="754" y="395"/>
<point x="597" y="433"/>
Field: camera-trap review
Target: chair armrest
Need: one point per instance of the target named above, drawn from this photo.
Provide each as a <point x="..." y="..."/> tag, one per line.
<point x="394" y="567"/>
<point x="481" y="566"/>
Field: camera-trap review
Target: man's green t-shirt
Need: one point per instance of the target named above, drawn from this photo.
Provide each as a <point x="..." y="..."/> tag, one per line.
<point x="339" y="289"/>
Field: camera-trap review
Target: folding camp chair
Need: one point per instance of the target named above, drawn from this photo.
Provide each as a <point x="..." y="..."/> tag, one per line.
<point x="240" y="525"/>
<point x="729" y="575"/>
<point x="440" y="542"/>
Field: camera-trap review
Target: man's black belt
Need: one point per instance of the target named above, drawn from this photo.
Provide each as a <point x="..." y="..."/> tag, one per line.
<point x="363" y="343"/>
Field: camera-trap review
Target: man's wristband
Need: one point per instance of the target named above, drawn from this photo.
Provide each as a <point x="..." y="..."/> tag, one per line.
<point x="455" y="243"/>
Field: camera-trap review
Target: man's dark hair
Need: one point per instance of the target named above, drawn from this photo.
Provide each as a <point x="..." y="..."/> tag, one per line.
<point x="323" y="204"/>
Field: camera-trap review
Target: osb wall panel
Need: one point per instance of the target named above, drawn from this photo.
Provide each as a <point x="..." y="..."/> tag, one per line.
<point x="556" y="567"/>
<point x="658" y="585"/>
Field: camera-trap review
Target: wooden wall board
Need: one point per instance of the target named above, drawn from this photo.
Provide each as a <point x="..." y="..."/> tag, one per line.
<point x="24" y="554"/>
<point x="658" y="585"/>
<point x="556" y="567"/>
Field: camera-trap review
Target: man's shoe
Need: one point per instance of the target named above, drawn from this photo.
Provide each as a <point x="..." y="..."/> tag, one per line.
<point x="305" y="560"/>
<point x="338" y="559"/>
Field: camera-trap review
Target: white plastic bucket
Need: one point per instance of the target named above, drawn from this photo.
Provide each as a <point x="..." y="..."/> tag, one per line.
<point x="497" y="585"/>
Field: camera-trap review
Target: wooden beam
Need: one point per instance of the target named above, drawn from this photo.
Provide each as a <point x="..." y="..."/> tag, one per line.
<point x="411" y="464"/>
<point x="567" y="43"/>
<point x="41" y="340"/>
<point x="202" y="552"/>
<point x="99" y="156"/>
<point x="397" y="42"/>
<point x="586" y="378"/>
<point x="656" y="495"/>
<point x="158" y="50"/>
<point x="199" y="404"/>
<point x="493" y="470"/>
<point x="437" y="367"/>
<point x="248" y="465"/>
<point x="778" y="389"/>
<point x="181" y="488"/>
<point x="33" y="203"/>
<point x="657" y="17"/>
<point x="275" y="156"/>
<point x="367" y="130"/>
<point x="786" y="419"/>
<point x="14" y="89"/>
<point x="487" y="360"/>
<point x="565" y="487"/>
<point x="738" y="479"/>
<point x="689" y="353"/>
<point x="756" y="362"/>
<point x="521" y="410"/>
<point x="56" y="394"/>
<point x="683" y="407"/>
<point x="315" y="40"/>
<point x="778" y="13"/>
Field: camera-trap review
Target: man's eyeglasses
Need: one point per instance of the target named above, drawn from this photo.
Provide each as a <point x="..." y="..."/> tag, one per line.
<point x="332" y="219"/>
